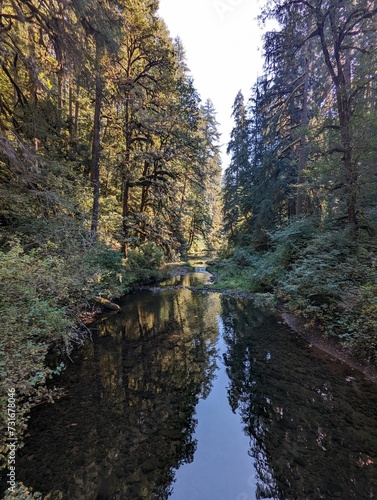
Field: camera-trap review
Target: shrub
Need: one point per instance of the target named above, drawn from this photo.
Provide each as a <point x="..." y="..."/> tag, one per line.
<point x="146" y="256"/>
<point x="143" y="263"/>
<point x="106" y="274"/>
<point x="32" y="294"/>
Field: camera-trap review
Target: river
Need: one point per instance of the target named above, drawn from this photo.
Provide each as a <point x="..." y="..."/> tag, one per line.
<point x="190" y="395"/>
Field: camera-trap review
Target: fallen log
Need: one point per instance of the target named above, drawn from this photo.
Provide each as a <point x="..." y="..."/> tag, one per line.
<point x="107" y="304"/>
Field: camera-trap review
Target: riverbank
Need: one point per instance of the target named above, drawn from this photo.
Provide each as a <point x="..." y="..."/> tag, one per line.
<point x="47" y="298"/>
<point x="237" y="280"/>
<point x="329" y="346"/>
<point x="316" y="339"/>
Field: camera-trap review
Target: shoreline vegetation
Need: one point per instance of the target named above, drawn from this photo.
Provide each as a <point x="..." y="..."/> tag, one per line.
<point x="118" y="278"/>
<point x="323" y="287"/>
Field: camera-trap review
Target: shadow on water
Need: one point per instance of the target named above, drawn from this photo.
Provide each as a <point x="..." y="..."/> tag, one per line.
<point x="128" y="422"/>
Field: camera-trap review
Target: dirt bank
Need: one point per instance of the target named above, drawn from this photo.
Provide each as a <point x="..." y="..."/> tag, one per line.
<point x="328" y="345"/>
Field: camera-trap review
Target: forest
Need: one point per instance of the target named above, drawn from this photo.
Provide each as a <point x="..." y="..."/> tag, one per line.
<point x="300" y="194"/>
<point x="110" y="166"/>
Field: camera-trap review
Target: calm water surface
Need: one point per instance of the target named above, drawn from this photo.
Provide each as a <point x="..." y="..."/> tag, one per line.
<point x="195" y="396"/>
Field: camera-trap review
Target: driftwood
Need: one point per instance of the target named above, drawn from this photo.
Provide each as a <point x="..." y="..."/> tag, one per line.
<point x="107" y="304"/>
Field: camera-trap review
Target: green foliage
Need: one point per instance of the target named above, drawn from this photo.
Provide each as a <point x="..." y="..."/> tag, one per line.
<point x="32" y="293"/>
<point x="334" y="281"/>
<point x="106" y="272"/>
<point x="323" y="275"/>
<point x="146" y="255"/>
<point x="143" y="263"/>
<point x="239" y="171"/>
<point x="21" y="492"/>
<point x="237" y="272"/>
<point x="243" y="257"/>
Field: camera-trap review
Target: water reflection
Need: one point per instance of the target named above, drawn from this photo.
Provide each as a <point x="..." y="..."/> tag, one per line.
<point x="199" y="277"/>
<point x="128" y="420"/>
<point x="313" y="422"/>
<point x="222" y="467"/>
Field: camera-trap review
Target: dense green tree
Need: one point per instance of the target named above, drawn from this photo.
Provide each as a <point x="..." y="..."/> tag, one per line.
<point x="162" y="148"/>
<point x="212" y="185"/>
<point x="100" y="92"/>
<point x="102" y="24"/>
<point x="310" y="149"/>
<point x="238" y="175"/>
<point x="268" y="199"/>
<point x="343" y="36"/>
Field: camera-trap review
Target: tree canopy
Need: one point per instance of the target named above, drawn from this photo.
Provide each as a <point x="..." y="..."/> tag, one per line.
<point x="101" y="122"/>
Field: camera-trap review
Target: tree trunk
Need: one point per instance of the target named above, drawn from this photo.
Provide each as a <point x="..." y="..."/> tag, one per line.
<point x="70" y="114"/>
<point x="145" y="189"/>
<point x="126" y="208"/>
<point x="341" y="77"/>
<point x="350" y="171"/>
<point x="96" y="146"/>
<point x="76" y="121"/>
<point x="127" y="176"/>
<point x="303" y="146"/>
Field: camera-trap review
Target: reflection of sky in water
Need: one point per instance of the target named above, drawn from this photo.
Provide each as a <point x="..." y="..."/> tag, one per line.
<point x="222" y="468"/>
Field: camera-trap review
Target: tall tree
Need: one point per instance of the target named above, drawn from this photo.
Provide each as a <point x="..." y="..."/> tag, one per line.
<point x="238" y="172"/>
<point x="342" y="30"/>
<point x="102" y="23"/>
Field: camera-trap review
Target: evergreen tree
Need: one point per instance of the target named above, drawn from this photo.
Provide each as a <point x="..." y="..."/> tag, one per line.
<point x="340" y="32"/>
<point x="238" y="175"/>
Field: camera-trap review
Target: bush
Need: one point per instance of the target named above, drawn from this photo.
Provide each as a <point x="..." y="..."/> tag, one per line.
<point x="146" y="256"/>
<point x="32" y="296"/>
<point x="335" y="282"/>
<point x="243" y="257"/>
<point x="143" y="263"/>
<point x="324" y="275"/>
<point x="106" y="274"/>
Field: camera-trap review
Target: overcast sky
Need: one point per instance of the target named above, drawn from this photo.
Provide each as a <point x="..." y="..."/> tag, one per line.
<point x="222" y="42"/>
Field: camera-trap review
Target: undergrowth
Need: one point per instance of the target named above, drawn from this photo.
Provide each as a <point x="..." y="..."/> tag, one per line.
<point x="320" y="274"/>
<point x="43" y="291"/>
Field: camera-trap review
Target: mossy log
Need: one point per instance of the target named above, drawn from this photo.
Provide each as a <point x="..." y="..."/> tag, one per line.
<point x="107" y="304"/>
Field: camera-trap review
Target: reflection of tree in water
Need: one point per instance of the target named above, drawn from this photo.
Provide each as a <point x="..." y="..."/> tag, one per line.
<point x="313" y="423"/>
<point x="128" y="421"/>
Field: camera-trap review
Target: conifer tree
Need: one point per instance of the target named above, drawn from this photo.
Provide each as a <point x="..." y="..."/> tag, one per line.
<point x="238" y="175"/>
<point x="342" y="35"/>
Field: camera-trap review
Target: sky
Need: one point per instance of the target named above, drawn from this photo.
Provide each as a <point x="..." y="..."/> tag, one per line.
<point x="222" y="41"/>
